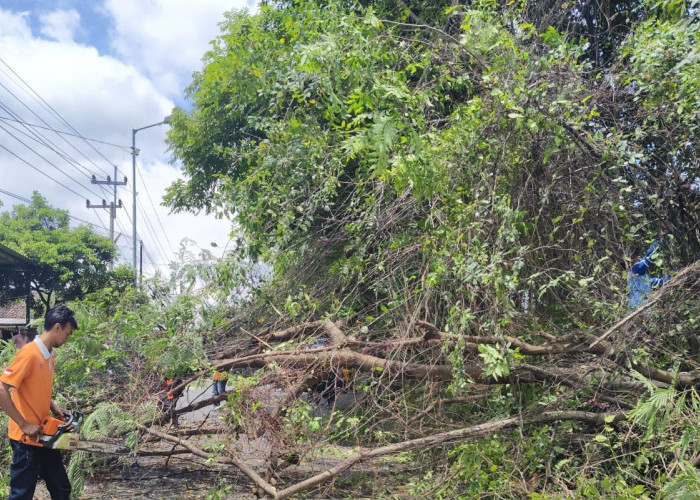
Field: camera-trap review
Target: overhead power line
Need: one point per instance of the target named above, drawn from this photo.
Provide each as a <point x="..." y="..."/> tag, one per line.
<point x="152" y="232"/>
<point x="42" y="173"/>
<point x="47" y="161"/>
<point x="42" y="120"/>
<point x="63" y="132"/>
<point x="46" y="142"/>
<point x="129" y="238"/>
<point x="60" y="153"/>
<point x="56" y="113"/>
<point x="160" y="223"/>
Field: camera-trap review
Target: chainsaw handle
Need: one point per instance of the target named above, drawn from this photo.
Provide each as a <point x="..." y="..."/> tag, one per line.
<point x="73" y="418"/>
<point x="67" y="418"/>
<point x="26" y="439"/>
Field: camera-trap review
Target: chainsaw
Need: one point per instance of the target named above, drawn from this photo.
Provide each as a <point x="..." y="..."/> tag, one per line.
<point x="64" y="434"/>
<point x="60" y="434"/>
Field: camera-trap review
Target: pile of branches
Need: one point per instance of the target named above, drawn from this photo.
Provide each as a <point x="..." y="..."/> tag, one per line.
<point x="475" y="282"/>
<point x="596" y="376"/>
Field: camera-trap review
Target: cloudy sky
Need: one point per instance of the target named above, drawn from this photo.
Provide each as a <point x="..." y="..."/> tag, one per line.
<point x="98" y="69"/>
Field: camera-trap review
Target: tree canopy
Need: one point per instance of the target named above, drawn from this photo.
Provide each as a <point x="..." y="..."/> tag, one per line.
<point x="489" y="168"/>
<point x="438" y="205"/>
<point x="72" y="262"/>
<point x="384" y="135"/>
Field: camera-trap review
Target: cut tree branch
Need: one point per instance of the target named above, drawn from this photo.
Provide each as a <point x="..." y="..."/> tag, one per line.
<point x="446" y="438"/>
<point x="232" y="459"/>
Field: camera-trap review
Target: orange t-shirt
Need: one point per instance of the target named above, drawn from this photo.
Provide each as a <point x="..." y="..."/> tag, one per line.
<point x="31" y="376"/>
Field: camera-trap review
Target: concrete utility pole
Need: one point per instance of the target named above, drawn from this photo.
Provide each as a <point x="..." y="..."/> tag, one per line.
<point x="112" y="206"/>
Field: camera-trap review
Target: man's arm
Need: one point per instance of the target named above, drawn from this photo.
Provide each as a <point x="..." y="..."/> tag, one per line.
<point x="657" y="282"/>
<point x="647" y="261"/>
<point x="31" y="430"/>
<point x="57" y="410"/>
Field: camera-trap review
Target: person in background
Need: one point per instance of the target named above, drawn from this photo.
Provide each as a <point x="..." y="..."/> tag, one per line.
<point x="166" y="396"/>
<point x="25" y="395"/>
<point x="24" y="335"/>
<point x="220" y="379"/>
<point x="21" y="338"/>
<point x="639" y="283"/>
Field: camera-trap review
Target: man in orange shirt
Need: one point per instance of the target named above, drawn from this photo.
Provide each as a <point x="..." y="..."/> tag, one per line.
<point x="220" y="379"/>
<point x="25" y="395"/>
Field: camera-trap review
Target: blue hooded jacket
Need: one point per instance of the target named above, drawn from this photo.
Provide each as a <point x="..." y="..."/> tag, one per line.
<point x="639" y="284"/>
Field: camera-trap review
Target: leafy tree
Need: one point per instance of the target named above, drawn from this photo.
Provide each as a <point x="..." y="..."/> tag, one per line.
<point x="72" y="261"/>
<point x="486" y="168"/>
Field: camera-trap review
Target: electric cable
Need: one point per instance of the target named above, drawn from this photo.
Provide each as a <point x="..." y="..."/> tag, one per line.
<point x="56" y="131"/>
<point x="59" y="153"/>
<point x="56" y="149"/>
<point x="42" y="173"/>
<point x="148" y="194"/>
<point x="150" y="229"/>
<point x="47" y="161"/>
<point x="52" y="145"/>
<point x="47" y="105"/>
<point x="143" y="233"/>
<point x="45" y="122"/>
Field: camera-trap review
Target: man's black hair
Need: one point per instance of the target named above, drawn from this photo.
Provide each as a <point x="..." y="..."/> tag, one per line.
<point x="59" y="314"/>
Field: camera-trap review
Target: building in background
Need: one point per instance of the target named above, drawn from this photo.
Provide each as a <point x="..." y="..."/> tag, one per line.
<point x="15" y="292"/>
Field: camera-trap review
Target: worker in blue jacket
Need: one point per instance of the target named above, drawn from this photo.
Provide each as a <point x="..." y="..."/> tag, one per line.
<point x="639" y="283"/>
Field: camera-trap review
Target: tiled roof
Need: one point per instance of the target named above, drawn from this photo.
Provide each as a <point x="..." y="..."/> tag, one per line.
<point x="16" y="310"/>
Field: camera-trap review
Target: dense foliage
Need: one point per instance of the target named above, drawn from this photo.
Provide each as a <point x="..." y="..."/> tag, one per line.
<point x="490" y="168"/>
<point x="71" y="262"/>
<point x="460" y="189"/>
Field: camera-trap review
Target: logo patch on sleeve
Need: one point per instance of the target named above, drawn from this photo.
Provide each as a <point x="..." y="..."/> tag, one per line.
<point x="7" y="372"/>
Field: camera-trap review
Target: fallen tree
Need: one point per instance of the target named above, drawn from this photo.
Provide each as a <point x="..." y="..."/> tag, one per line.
<point x="599" y="368"/>
<point x="438" y="209"/>
<point x="441" y="439"/>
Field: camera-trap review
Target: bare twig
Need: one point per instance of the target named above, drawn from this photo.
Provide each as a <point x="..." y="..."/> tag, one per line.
<point x="445" y="438"/>
<point x="242" y="466"/>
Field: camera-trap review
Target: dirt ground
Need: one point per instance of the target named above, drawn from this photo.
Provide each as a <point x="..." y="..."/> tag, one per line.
<point x="189" y="477"/>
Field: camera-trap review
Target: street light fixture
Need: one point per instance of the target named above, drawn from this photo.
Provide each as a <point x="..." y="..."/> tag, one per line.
<point x="134" y="153"/>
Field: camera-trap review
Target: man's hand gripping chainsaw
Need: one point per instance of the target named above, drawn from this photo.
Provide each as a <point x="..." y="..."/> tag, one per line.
<point x="60" y="434"/>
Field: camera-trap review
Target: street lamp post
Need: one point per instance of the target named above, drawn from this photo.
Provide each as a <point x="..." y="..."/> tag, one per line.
<point x="134" y="153"/>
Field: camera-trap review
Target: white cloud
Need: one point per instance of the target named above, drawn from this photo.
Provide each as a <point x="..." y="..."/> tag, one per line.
<point x="166" y="39"/>
<point x="14" y="24"/>
<point x="204" y="230"/>
<point x="103" y="98"/>
<point x="61" y="25"/>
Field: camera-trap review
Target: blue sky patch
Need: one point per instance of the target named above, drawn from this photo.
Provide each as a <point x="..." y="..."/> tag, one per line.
<point x="95" y="23"/>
